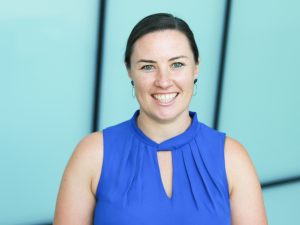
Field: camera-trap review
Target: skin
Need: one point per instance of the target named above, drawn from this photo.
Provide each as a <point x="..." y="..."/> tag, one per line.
<point x="161" y="62"/>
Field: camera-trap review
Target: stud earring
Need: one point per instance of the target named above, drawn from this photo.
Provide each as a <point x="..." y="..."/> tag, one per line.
<point x="195" y="87"/>
<point x="133" y="91"/>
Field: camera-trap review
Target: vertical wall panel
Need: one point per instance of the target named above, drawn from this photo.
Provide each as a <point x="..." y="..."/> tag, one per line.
<point x="205" y="19"/>
<point x="47" y="62"/>
<point x="260" y="103"/>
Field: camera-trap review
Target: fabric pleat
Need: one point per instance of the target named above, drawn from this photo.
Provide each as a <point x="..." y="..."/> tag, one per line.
<point x="205" y="181"/>
<point x="190" y="178"/>
<point x="131" y="189"/>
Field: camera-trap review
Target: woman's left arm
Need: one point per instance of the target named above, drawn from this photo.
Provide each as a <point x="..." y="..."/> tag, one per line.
<point x="246" y="199"/>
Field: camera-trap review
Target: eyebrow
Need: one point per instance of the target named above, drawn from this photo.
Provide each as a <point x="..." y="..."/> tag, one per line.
<point x="178" y="57"/>
<point x="152" y="61"/>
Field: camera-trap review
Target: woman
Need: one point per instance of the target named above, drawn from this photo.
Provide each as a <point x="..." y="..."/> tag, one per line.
<point x="162" y="166"/>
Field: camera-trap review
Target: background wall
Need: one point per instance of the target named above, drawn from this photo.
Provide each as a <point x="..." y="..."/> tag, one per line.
<point x="62" y="76"/>
<point x="47" y="70"/>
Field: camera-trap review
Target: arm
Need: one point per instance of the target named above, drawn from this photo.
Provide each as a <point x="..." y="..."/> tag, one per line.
<point x="76" y="198"/>
<point x="247" y="206"/>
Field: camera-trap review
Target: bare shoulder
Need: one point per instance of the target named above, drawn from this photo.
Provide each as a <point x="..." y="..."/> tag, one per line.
<point x="89" y="145"/>
<point x="76" y="198"/>
<point x="236" y="159"/>
<point x="246" y="199"/>
<point x="234" y="148"/>
<point x="89" y="153"/>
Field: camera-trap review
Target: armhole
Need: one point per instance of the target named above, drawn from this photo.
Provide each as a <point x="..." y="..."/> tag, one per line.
<point x="222" y="148"/>
<point x="101" y="168"/>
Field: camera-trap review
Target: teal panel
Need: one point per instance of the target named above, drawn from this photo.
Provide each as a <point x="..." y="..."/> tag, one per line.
<point x="47" y="62"/>
<point x="260" y="103"/>
<point x="282" y="204"/>
<point x="205" y="19"/>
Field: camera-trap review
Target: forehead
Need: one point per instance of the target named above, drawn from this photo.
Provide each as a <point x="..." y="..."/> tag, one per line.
<point x="162" y="44"/>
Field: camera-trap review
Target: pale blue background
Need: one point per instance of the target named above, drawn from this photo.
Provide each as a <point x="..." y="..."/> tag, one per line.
<point x="47" y="64"/>
<point x="47" y="74"/>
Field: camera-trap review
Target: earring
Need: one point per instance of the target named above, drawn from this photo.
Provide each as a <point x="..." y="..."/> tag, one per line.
<point x="195" y="87"/>
<point x="133" y="91"/>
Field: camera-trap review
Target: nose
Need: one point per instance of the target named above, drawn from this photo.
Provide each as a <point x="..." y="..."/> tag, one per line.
<point x="163" y="80"/>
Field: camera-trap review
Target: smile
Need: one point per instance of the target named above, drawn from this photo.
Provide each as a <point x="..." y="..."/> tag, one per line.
<point x="165" y="98"/>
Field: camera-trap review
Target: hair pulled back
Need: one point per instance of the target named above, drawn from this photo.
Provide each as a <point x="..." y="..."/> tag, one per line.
<point x="159" y="22"/>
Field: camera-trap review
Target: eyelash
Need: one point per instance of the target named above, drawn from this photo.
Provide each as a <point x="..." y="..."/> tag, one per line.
<point x="145" y="66"/>
<point x="179" y="64"/>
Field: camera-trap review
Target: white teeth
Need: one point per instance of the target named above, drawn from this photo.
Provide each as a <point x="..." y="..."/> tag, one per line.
<point x="165" y="98"/>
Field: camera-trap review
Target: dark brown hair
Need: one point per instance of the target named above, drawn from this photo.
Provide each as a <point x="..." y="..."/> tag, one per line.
<point x="157" y="22"/>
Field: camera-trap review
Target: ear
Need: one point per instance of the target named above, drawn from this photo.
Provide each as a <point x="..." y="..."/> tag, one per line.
<point x="128" y="72"/>
<point x="196" y="70"/>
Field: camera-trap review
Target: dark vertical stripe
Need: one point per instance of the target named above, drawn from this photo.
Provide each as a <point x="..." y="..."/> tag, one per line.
<point x="222" y="63"/>
<point x="264" y="185"/>
<point x="99" y="60"/>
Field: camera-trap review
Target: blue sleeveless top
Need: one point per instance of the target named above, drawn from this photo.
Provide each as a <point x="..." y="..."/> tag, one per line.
<point x="131" y="191"/>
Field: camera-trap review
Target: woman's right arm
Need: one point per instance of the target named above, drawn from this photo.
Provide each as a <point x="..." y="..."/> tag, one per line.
<point x="76" y="198"/>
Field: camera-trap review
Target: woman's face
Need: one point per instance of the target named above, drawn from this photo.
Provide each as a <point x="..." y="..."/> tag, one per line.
<point x="163" y="70"/>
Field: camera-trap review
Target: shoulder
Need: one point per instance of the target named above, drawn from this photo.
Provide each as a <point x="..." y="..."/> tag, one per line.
<point x="89" y="143"/>
<point x="88" y="147"/>
<point x="237" y="161"/>
<point x="76" y="197"/>
<point x="246" y="199"/>
<point x="234" y="150"/>
<point x="86" y="160"/>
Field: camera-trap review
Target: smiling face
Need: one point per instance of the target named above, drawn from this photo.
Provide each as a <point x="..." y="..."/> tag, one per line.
<point x="163" y="70"/>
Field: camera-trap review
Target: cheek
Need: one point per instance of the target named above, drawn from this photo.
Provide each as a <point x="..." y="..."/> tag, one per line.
<point x="186" y="81"/>
<point x="144" y="82"/>
<point x="142" y="88"/>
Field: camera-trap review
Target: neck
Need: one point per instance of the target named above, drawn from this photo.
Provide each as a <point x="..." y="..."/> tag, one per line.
<point x="160" y="131"/>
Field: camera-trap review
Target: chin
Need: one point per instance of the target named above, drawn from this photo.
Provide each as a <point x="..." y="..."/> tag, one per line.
<point x="167" y="115"/>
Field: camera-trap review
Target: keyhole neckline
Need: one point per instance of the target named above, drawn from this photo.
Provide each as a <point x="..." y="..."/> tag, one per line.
<point x="172" y="143"/>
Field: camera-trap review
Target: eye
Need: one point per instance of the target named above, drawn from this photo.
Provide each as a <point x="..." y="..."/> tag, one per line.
<point x="147" y="67"/>
<point x="177" y="65"/>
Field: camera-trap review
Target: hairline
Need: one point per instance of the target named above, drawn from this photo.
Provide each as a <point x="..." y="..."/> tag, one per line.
<point x="161" y="30"/>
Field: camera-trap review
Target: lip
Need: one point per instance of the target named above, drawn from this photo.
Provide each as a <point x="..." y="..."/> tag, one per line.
<point x="164" y="93"/>
<point x="165" y="104"/>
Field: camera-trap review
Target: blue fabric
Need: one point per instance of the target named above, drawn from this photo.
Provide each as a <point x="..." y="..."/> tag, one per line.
<point x="131" y="192"/>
